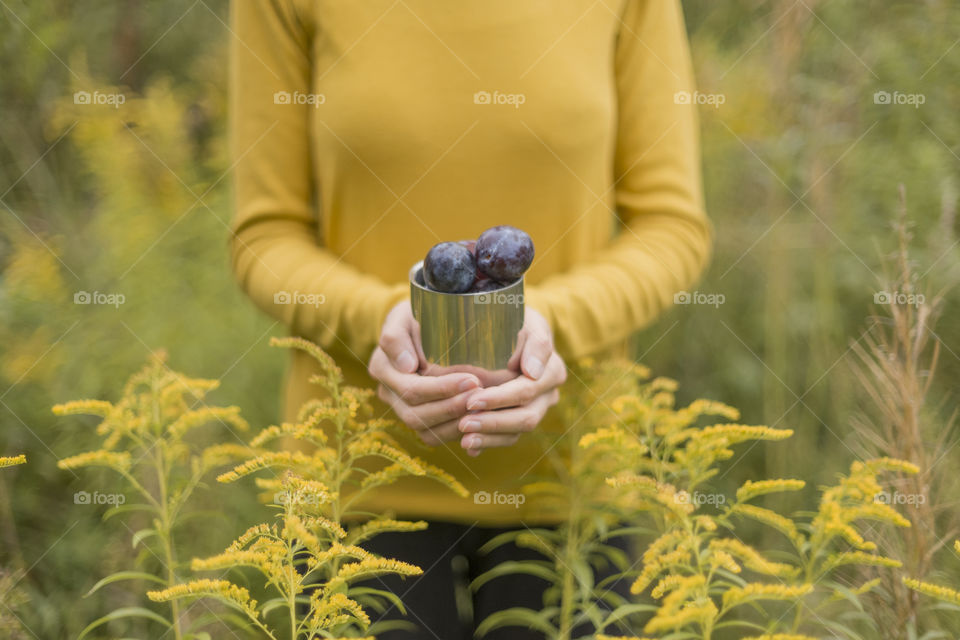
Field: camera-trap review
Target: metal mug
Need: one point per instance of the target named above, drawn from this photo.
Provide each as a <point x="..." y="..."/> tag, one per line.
<point x="475" y="332"/>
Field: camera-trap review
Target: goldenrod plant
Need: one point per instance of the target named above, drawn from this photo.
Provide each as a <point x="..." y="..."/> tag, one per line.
<point x="313" y="554"/>
<point x="143" y="438"/>
<point x="639" y="467"/>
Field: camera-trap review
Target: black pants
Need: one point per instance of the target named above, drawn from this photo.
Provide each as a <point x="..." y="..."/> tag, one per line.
<point x="439" y="602"/>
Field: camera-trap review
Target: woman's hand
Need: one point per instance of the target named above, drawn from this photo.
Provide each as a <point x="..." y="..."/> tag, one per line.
<point x="430" y="405"/>
<point x="502" y="413"/>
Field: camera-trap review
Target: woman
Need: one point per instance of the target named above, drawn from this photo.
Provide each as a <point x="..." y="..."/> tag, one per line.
<point x="365" y="131"/>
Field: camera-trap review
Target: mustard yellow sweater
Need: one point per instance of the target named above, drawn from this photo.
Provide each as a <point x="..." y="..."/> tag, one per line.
<point x="364" y="132"/>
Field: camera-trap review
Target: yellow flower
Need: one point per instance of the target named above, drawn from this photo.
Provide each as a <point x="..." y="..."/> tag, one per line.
<point x="859" y="558"/>
<point x="751" y="558"/>
<point x="735" y="596"/>
<point x="223" y="590"/>
<point x="9" y="461"/>
<point x="751" y="489"/>
<point x="885" y="464"/>
<point x="933" y="590"/>
<point x="229" y="416"/>
<point x="770" y="518"/>
<point x="100" y="408"/>
<point x="688" y="614"/>
<point x="118" y="460"/>
<point x="735" y="433"/>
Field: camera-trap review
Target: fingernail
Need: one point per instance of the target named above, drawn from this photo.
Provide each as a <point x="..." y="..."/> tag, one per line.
<point x="476" y="405"/>
<point x="534" y="367"/>
<point x="470" y="426"/>
<point x="472" y="442"/>
<point x="406" y="362"/>
<point x="466" y="385"/>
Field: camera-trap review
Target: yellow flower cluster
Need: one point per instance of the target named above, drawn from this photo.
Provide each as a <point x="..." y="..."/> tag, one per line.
<point x="735" y="596"/>
<point x="117" y="460"/>
<point x="310" y="554"/>
<point x="751" y="558"/>
<point x="223" y="590"/>
<point x="784" y="525"/>
<point x="9" y="461"/>
<point x="752" y="489"/>
<point x="933" y="590"/>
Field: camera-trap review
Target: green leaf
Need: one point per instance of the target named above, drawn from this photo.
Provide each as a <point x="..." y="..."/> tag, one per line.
<point x="511" y="536"/>
<point x="538" y="568"/>
<point x="272" y="604"/>
<point x="626" y="610"/>
<point x="366" y="592"/>
<point x="125" y="612"/>
<point x="515" y="617"/>
<point x="142" y="535"/>
<point x="124" y="508"/>
<point x="124" y="575"/>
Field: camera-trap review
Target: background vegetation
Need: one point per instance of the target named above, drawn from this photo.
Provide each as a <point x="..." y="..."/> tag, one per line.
<point x="802" y="169"/>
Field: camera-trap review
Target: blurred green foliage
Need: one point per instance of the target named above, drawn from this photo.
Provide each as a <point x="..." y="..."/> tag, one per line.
<point x="801" y="169"/>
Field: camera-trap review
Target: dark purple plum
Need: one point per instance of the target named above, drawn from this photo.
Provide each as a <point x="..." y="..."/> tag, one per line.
<point x="469" y="244"/>
<point x="504" y="252"/>
<point x="449" y="267"/>
<point x="482" y="285"/>
<point x="418" y="278"/>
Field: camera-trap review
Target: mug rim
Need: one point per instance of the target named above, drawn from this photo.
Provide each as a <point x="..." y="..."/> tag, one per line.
<point x="412" y="275"/>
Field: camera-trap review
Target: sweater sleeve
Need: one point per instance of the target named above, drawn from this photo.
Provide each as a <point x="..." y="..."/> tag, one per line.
<point x="664" y="238"/>
<point x="277" y="256"/>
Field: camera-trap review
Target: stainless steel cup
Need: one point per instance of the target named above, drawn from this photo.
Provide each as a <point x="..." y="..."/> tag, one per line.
<point x="467" y="331"/>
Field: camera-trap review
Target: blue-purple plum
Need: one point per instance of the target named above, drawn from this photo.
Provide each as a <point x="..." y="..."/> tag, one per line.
<point x="504" y="253"/>
<point x="449" y="267"/>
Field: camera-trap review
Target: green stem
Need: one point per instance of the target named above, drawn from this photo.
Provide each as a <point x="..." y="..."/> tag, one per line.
<point x="166" y="536"/>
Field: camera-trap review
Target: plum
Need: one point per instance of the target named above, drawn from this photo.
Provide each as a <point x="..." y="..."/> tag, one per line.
<point x="485" y="284"/>
<point x="449" y="267"/>
<point x="504" y="253"/>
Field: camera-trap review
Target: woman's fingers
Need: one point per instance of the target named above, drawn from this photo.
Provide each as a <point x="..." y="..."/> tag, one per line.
<point x="510" y="421"/>
<point x="441" y="433"/>
<point x="521" y="390"/>
<point x="475" y="443"/>
<point x="425" y="415"/>
<point x="415" y="389"/>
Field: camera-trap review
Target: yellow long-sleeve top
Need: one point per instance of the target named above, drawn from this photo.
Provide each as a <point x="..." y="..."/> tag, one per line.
<point x="365" y="132"/>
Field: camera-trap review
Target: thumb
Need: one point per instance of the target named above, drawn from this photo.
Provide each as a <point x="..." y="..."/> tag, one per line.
<point x="399" y="348"/>
<point x="396" y="339"/>
<point x="536" y="351"/>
